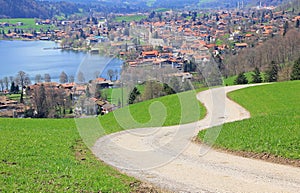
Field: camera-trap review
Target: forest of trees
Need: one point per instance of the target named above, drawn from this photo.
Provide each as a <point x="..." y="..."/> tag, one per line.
<point x="36" y="9"/>
<point x="280" y="52"/>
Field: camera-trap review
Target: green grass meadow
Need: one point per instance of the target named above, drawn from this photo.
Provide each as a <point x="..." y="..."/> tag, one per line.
<point x="274" y="126"/>
<point x="129" y="18"/>
<point x="28" y="25"/>
<point x="169" y="110"/>
<point x="52" y="155"/>
<point x="39" y="155"/>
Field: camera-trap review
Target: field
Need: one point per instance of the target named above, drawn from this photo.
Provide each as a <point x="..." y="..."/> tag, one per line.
<point x="49" y="156"/>
<point x="274" y="126"/>
<point x="52" y="155"/>
<point x="114" y="95"/>
<point x="28" y="24"/>
<point x="129" y="18"/>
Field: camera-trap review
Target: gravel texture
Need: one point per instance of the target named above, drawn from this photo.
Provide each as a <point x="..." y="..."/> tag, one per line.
<point x="167" y="158"/>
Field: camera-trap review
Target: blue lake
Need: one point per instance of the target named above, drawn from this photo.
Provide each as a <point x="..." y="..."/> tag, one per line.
<point x="35" y="57"/>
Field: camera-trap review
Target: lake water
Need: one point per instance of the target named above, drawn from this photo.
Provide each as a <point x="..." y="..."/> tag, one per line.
<point x="35" y="57"/>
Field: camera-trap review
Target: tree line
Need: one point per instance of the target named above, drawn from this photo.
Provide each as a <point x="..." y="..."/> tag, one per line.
<point x="272" y="75"/>
<point x="22" y="79"/>
<point x="276" y="54"/>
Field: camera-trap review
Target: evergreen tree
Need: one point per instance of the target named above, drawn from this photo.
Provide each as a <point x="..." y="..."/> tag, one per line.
<point x="47" y="77"/>
<point x="241" y="79"/>
<point x="256" y="76"/>
<point x="296" y="70"/>
<point x="273" y="73"/>
<point x="17" y="89"/>
<point x="63" y="78"/>
<point x="12" y="87"/>
<point x="285" y="27"/>
<point x="133" y="95"/>
<point x="167" y="89"/>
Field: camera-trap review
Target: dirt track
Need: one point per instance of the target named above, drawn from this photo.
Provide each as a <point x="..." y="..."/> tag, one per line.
<point x="167" y="158"/>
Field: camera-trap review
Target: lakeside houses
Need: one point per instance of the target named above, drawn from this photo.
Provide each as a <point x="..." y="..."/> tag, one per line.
<point x="61" y="93"/>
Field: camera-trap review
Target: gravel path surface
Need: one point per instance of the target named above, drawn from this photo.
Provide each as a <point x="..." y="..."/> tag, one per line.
<point x="167" y="158"/>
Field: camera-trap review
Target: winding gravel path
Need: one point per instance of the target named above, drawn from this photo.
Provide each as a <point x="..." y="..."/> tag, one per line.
<point x="167" y="158"/>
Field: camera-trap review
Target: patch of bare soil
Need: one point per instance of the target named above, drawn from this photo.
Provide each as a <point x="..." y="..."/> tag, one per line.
<point x="142" y="187"/>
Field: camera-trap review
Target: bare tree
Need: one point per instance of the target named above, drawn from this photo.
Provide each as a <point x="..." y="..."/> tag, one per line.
<point x="80" y="77"/>
<point x="11" y="79"/>
<point x="152" y="90"/>
<point x="40" y="101"/>
<point x="63" y="77"/>
<point x="38" y="78"/>
<point x="71" y="79"/>
<point x="96" y="74"/>
<point x="6" y="82"/>
<point x="174" y="83"/>
<point x="27" y="81"/>
<point x="1" y="85"/>
<point x="21" y="76"/>
<point x="47" y="77"/>
<point x="110" y="73"/>
<point x="116" y="74"/>
<point x="49" y="101"/>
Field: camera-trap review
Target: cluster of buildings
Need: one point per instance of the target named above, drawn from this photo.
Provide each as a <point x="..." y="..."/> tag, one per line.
<point x="80" y="97"/>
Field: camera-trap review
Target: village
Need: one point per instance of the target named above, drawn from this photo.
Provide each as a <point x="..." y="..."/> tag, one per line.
<point x="181" y="40"/>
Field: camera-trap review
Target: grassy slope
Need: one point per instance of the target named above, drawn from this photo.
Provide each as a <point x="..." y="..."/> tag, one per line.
<point x="230" y="80"/>
<point x="173" y="106"/>
<point x="164" y="111"/>
<point x="274" y="126"/>
<point x="48" y="156"/>
<point x="39" y="155"/>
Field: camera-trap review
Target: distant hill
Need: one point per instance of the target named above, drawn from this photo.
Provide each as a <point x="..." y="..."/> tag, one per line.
<point x="34" y="9"/>
<point x="50" y="8"/>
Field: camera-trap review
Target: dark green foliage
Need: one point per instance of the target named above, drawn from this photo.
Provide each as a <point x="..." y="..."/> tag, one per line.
<point x="168" y="90"/>
<point x="241" y="79"/>
<point x="256" y="76"/>
<point x="296" y="70"/>
<point x="273" y="72"/>
<point x="133" y="95"/>
<point x="285" y="27"/>
<point x="35" y="9"/>
<point x="189" y="66"/>
<point x="14" y="88"/>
